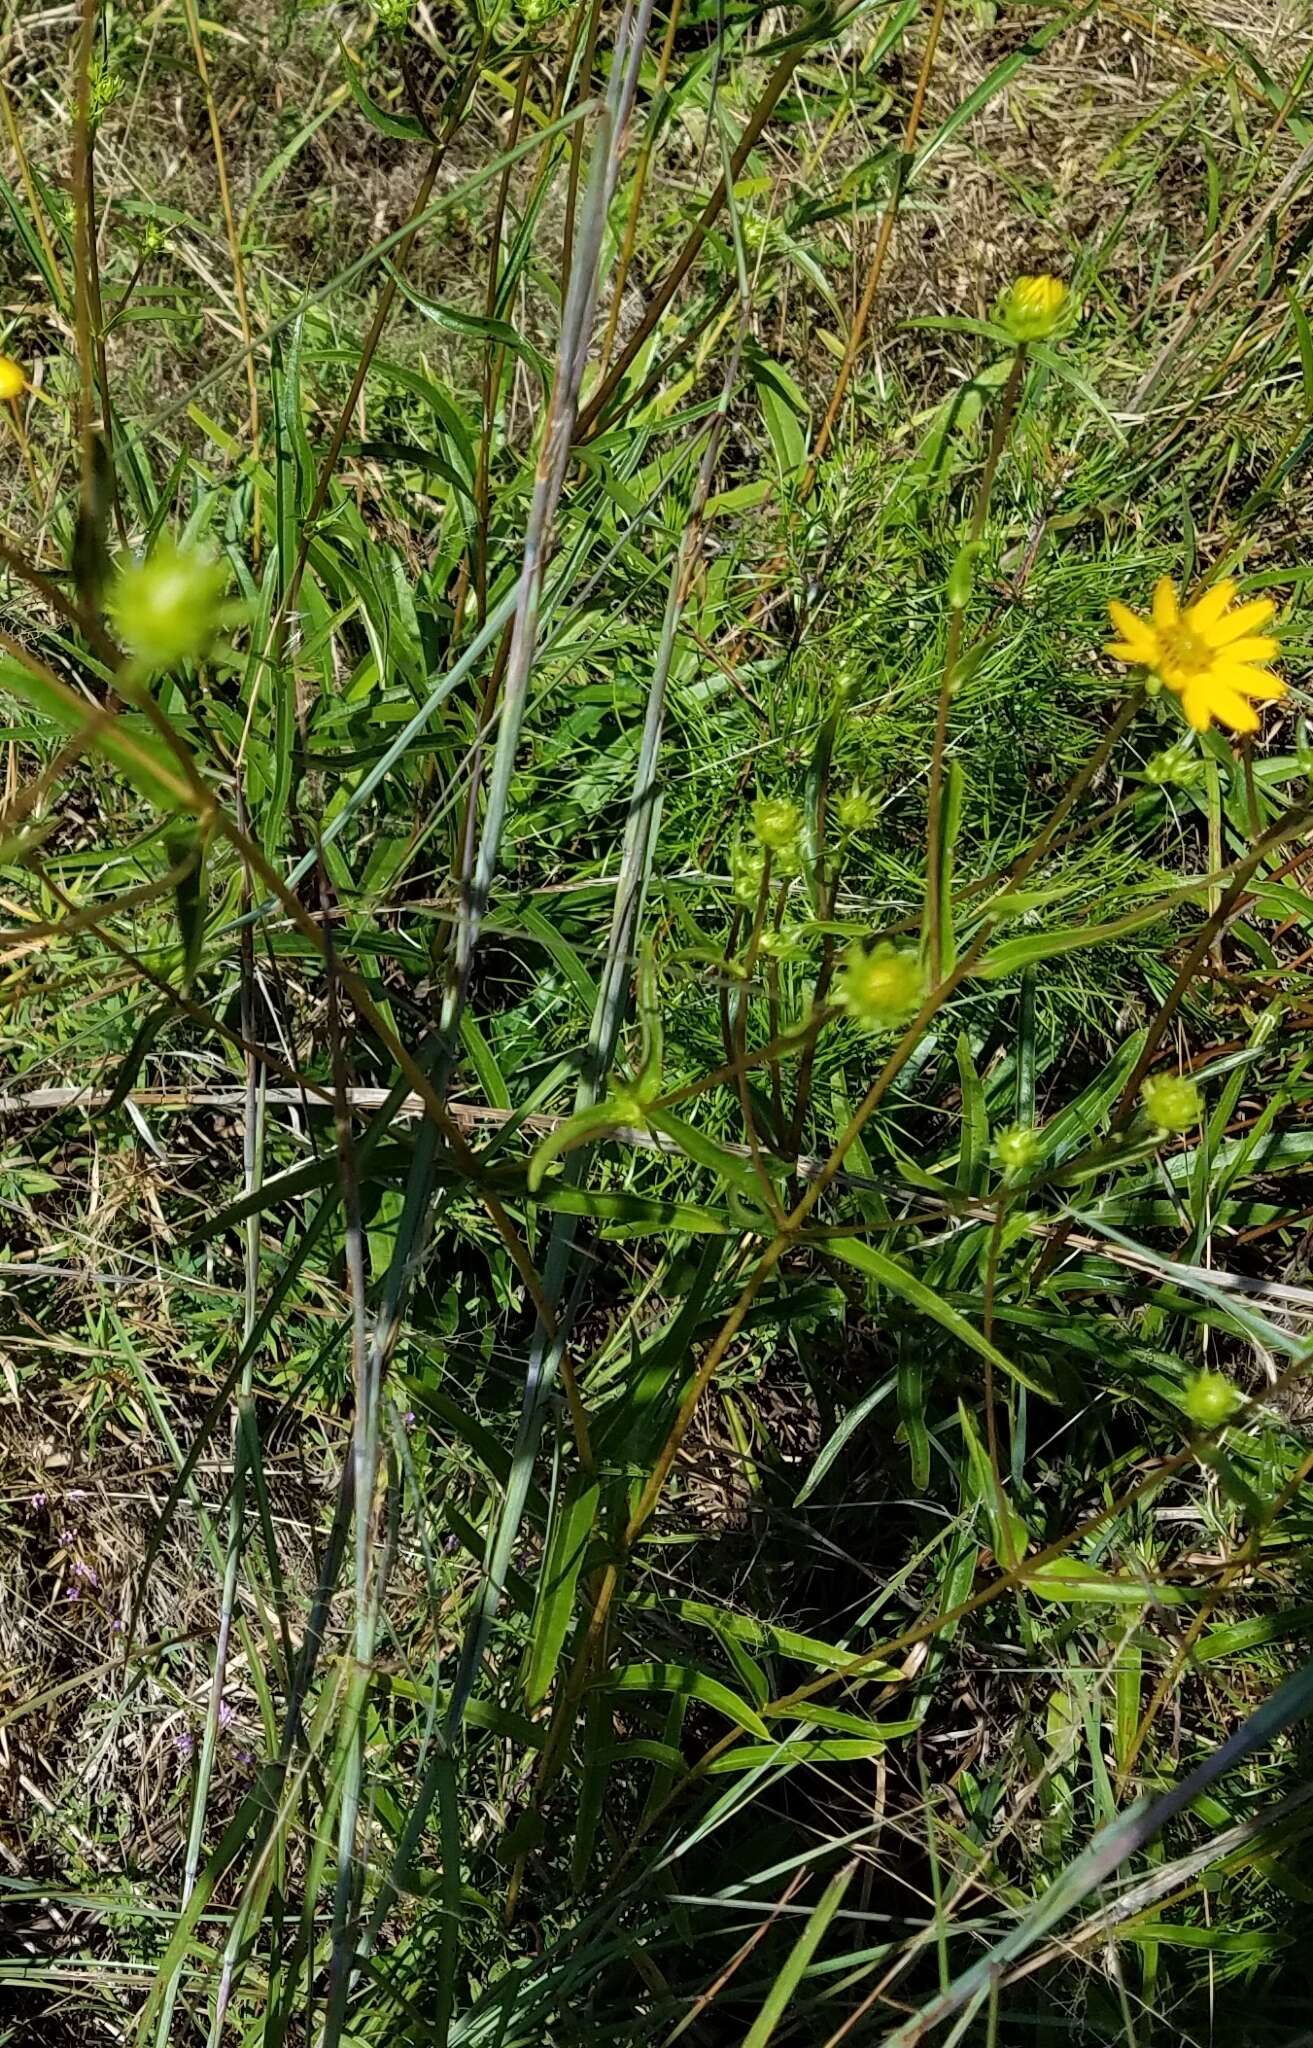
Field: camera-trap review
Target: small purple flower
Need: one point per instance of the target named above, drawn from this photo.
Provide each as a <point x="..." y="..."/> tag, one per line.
<point x="409" y="1418"/>
<point x="450" y="1545"/>
<point x="184" y="1742"/>
<point x="116" y="1626"/>
<point x="68" y="1535"/>
<point x="73" y="1593"/>
<point x="38" y="1500"/>
<point x="227" y="1715"/>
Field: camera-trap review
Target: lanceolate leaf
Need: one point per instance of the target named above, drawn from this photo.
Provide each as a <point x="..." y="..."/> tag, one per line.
<point x="688" y="1683"/>
<point x="897" y="1279"/>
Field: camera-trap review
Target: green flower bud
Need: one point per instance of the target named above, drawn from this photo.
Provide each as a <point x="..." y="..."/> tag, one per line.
<point x="1177" y="767"/>
<point x="103" y="88"/>
<point x="784" y="944"/>
<point x="167" y="609"/>
<point x="857" y="811"/>
<point x="1034" y="308"/>
<point x="776" y="823"/>
<point x="747" y="864"/>
<point x="1018" y="1150"/>
<point x="962" y="575"/>
<point x="1210" y="1400"/>
<point x="1172" y="1102"/>
<point x="882" y="988"/>
<point x="393" y="15"/>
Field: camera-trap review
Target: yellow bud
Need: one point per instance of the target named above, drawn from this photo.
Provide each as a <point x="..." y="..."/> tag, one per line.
<point x="1033" y="309"/>
<point x="12" y="381"/>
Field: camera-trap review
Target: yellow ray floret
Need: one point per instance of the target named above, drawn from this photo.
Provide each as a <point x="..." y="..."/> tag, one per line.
<point x="1211" y="655"/>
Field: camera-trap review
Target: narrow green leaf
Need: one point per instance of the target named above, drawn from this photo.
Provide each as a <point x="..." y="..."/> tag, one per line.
<point x="557" y="1580"/>
<point x="891" y="1274"/>
<point x="795" y="1966"/>
<point x="689" y="1683"/>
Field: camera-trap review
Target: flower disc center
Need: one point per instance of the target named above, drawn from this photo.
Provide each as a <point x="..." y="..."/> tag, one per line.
<point x="1183" y="655"/>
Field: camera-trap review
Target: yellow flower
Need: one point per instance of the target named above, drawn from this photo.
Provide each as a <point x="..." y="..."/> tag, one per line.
<point x="1034" y="307"/>
<point x="12" y="381"/>
<point x="1212" y="658"/>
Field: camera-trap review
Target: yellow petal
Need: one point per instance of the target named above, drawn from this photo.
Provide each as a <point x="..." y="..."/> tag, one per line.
<point x="1254" y="647"/>
<point x="1244" y="619"/>
<point x="1207" y="610"/>
<point x="1136" y="635"/>
<point x="1166" y="611"/>
<point x="1230" y="708"/>
<point x="1251" y="682"/>
<point x="1197" y="704"/>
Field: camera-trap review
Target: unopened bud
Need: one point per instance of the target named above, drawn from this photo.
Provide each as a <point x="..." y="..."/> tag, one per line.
<point x="1210" y="1400"/>
<point x="1034" y="308"/>
<point x="882" y="988"/>
<point x="1172" y="1102"/>
<point x="167" y="609"/>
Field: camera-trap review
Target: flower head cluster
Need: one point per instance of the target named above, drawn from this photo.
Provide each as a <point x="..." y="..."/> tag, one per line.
<point x="1175" y="767"/>
<point x="882" y="988"/>
<point x="776" y="823"/>
<point x="747" y="864"/>
<point x="104" y="87"/>
<point x="1018" y="1151"/>
<point x="856" y="810"/>
<point x="1172" y="1102"/>
<point x="1214" y="658"/>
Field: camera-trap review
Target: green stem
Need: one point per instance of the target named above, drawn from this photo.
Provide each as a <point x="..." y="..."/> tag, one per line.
<point x="1007" y="406"/>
